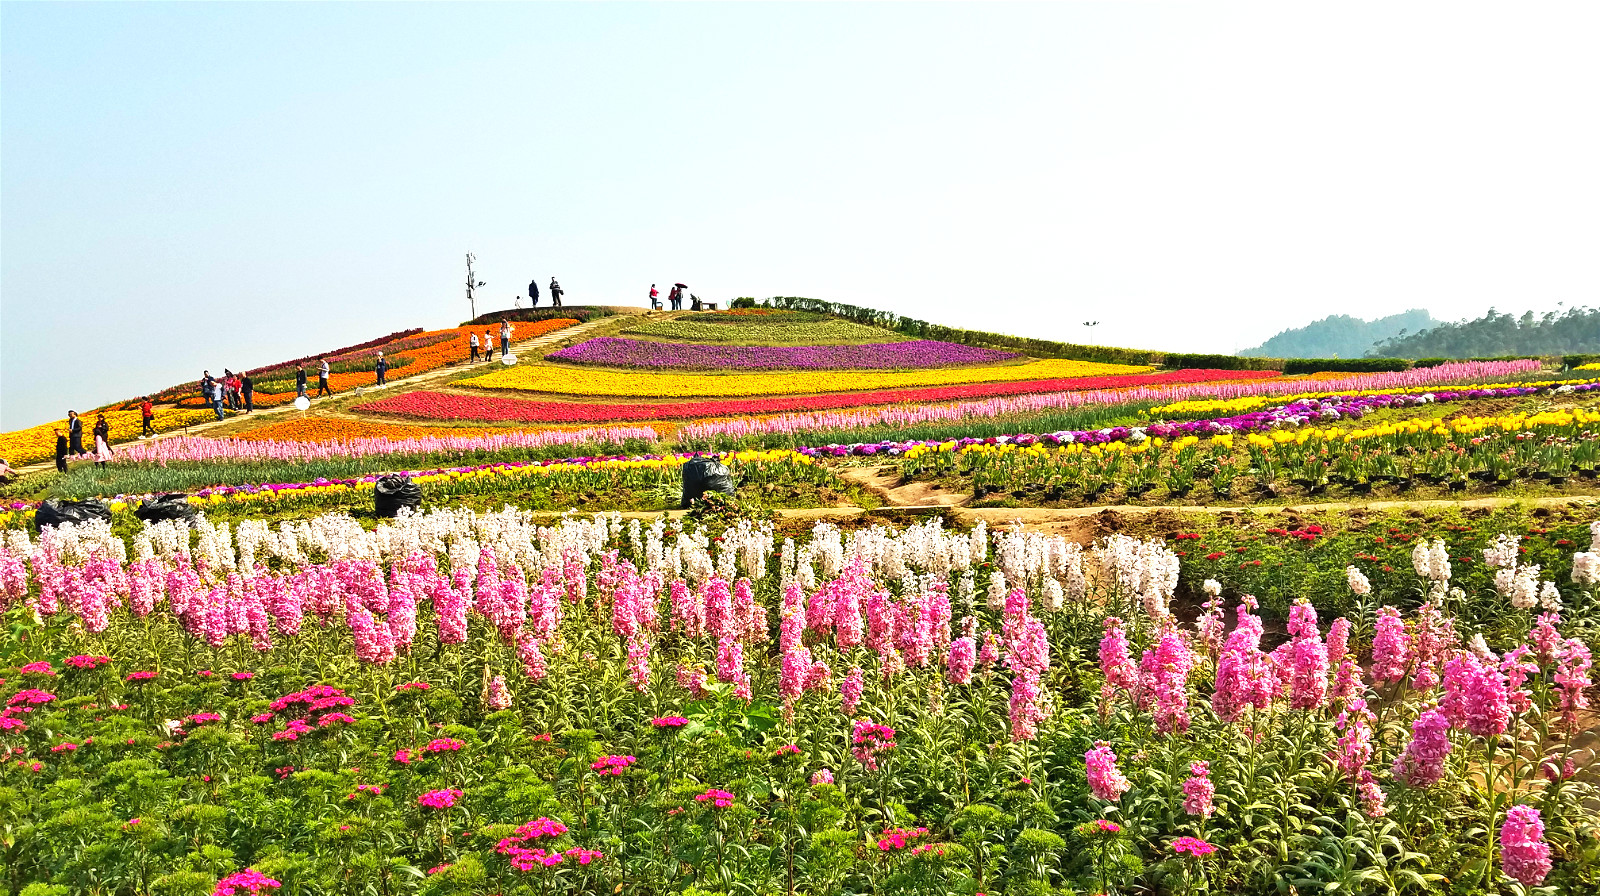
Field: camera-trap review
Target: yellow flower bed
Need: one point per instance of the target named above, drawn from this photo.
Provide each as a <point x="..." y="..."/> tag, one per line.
<point x="26" y="446"/>
<point x="563" y="380"/>
<point x="1594" y="366"/>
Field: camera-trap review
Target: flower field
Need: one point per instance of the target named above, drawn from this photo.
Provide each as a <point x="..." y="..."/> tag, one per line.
<point x="758" y="331"/>
<point x="470" y="703"/>
<point x="427" y="405"/>
<point x="613" y="352"/>
<point x="562" y="380"/>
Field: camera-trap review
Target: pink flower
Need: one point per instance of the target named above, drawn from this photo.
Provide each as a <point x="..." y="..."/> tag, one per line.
<point x="440" y="799"/>
<point x="870" y="739"/>
<point x="1422" y="763"/>
<point x="87" y="662"/>
<point x="722" y="799"/>
<point x="1116" y="663"/>
<point x="1354" y="748"/>
<point x="1572" y="680"/>
<point x="1105" y="781"/>
<point x="42" y="667"/>
<point x="499" y="696"/>
<point x="963" y="658"/>
<point x="248" y="881"/>
<point x="1390" y="646"/>
<point x="670" y="722"/>
<point x="243" y="676"/>
<point x="140" y="676"/>
<point x="1192" y="846"/>
<point x="820" y="777"/>
<point x="850" y="690"/>
<point x="1524" y="856"/>
<point x="1198" y="790"/>
<point x="612" y="765"/>
<point x="898" y="838"/>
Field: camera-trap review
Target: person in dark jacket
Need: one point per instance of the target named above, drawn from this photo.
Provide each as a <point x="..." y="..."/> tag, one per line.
<point x="248" y="387"/>
<point x="300" y="380"/>
<point x="61" y="451"/>
<point x="205" y="385"/>
<point x="533" y="292"/>
<point x="382" y="368"/>
<point x="75" y="431"/>
<point x="555" y="293"/>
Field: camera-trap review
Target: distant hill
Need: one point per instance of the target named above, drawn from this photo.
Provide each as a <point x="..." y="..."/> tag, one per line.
<point x="1496" y="335"/>
<point x="1340" y="336"/>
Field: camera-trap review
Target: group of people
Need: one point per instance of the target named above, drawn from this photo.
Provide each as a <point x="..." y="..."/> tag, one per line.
<point x="556" y="292"/>
<point x="234" y="391"/>
<point x="506" y="329"/>
<point x="674" y="298"/>
<point x="70" y="443"/>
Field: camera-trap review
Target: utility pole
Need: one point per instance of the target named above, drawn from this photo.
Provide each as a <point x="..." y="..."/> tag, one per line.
<point x="472" y="284"/>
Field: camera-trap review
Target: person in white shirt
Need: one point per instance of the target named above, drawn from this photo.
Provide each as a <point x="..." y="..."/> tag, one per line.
<point x="322" y="380"/>
<point x="474" y="343"/>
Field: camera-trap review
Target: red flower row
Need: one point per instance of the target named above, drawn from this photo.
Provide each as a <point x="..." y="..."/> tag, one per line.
<point x="446" y="406"/>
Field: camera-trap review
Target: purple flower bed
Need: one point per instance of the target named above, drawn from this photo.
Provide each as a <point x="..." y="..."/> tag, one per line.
<point x="616" y="352"/>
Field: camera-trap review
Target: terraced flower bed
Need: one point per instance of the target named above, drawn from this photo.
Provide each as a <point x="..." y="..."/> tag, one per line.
<point x="613" y="352"/>
<point x="562" y="380"/>
<point x="426" y="405"/>
<point x="757" y="331"/>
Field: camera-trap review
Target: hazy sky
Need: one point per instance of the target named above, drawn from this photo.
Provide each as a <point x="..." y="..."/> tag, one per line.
<point x="227" y="185"/>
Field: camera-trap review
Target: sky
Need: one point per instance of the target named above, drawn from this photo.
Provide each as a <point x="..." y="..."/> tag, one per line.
<point x="188" y="186"/>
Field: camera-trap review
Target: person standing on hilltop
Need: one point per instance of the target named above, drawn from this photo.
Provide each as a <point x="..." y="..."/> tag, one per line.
<point x="533" y="293"/>
<point x="382" y="368"/>
<point x="75" y="431"/>
<point x="322" y="380"/>
<point x="300" y="380"/>
<point x="555" y="293"/>
<point x="147" y="413"/>
<point x="655" y="303"/>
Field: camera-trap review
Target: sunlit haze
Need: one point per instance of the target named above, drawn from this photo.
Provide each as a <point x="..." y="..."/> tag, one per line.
<point x="191" y="186"/>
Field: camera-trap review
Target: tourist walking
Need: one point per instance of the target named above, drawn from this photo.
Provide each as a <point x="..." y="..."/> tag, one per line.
<point x="217" y="390"/>
<point x="322" y="380"/>
<point x="102" y="441"/>
<point x="505" y="338"/>
<point x="235" y="399"/>
<point x="300" y="381"/>
<point x="488" y="345"/>
<point x="555" y="293"/>
<point x="473" y="342"/>
<point x="248" y="387"/>
<point x="147" y="412"/>
<point x="61" y="451"/>
<point x="533" y="292"/>
<point x="75" y="432"/>
<point x="383" y="368"/>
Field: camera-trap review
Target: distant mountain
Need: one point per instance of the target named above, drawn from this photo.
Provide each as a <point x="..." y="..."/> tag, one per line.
<point x="1340" y="336"/>
<point x="1496" y="335"/>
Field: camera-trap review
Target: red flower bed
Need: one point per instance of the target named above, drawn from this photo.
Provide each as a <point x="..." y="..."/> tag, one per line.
<point x="446" y="406"/>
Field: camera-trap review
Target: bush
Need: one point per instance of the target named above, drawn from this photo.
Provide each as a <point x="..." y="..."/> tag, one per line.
<point x="579" y="313"/>
<point x="1181" y="360"/>
<point x="1579" y="360"/>
<point x="1343" y="365"/>
<point x="743" y="302"/>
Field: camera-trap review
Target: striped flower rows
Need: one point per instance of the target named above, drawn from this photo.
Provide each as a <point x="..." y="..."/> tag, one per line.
<point x="614" y="352"/>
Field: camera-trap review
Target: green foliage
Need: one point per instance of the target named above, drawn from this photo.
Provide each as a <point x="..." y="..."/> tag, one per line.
<point x="579" y="313"/>
<point x="1495" y="334"/>
<point x="1340" y="336"/>
<point x="1293" y="366"/>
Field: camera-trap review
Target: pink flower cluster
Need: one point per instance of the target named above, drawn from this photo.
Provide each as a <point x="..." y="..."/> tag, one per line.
<point x="440" y="799"/>
<point x="1105" y="781"/>
<point x="870" y="739"/>
<point x="612" y="765"/>
<point x="722" y="799"/>
<point x="899" y="838"/>
<point x="820" y="777"/>
<point x="1198" y="790"/>
<point x="669" y="722"/>
<point x="444" y="745"/>
<point x="84" y="661"/>
<point x="1524" y="856"/>
<point x="1422" y="763"/>
<point x="248" y="881"/>
<point x="1193" y="846"/>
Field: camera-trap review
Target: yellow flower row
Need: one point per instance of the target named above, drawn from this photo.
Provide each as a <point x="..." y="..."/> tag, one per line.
<point x="1595" y="366"/>
<point x="564" y="380"/>
<point x="25" y="446"/>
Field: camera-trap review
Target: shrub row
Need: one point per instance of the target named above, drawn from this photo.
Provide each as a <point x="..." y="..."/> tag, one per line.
<point x="579" y="313"/>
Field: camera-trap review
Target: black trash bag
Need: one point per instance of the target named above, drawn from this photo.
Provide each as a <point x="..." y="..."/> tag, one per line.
<point x="54" y="513"/>
<point x="705" y="474"/>
<point x="394" y="492"/>
<point x="166" y="507"/>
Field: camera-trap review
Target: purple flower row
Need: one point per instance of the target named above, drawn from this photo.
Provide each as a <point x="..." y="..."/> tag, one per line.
<point x="617" y="352"/>
<point x="1298" y="413"/>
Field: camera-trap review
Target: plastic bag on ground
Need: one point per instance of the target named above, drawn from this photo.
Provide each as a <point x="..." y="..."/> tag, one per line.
<point x="166" y="507"/>
<point x="391" y="493"/>
<point x="54" y="513"/>
<point x="705" y="474"/>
